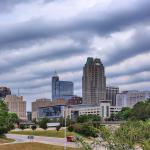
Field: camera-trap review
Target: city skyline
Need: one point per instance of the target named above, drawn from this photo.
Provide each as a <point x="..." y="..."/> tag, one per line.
<point x="36" y="43"/>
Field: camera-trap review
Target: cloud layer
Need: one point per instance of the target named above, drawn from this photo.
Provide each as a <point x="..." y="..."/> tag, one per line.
<point x="39" y="37"/>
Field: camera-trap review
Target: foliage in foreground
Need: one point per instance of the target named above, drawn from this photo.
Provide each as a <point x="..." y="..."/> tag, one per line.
<point x="126" y="137"/>
<point x="84" y="129"/>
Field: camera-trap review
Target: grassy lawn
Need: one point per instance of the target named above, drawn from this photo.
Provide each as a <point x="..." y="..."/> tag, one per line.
<point x="32" y="146"/>
<point x="5" y="140"/>
<point x="49" y="133"/>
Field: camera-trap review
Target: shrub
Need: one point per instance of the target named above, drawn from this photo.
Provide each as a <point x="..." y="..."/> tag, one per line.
<point x="43" y="123"/>
<point x="3" y="130"/>
<point x="77" y="127"/>
<point x="58" y="128"/>
<point x="88" y="118"/>
<point x="22" y="126"/>
<point x="84" y="129"/>
<point x="33" y="127"/>
<point x="71" y="128"/>
<point x="89" y="131"/>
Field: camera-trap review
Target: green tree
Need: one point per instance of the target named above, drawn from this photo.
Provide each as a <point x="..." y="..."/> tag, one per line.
<point x="70" y="128"/>
<point x="22" y="126"/>
<point x="124" y="114"/>
<point x="33" y="127"/>
<point x="12" y="120"/>
<point x="68" y="121"/>
<point x="141" y="110"/>
<point x="43" y="123"/>
<point x="3" y="118"/>
<point x="88" y="118"/>
<point x="58" y="128"/>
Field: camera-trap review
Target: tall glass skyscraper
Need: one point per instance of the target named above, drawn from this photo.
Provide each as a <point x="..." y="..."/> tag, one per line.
<point x="61" y="89"/>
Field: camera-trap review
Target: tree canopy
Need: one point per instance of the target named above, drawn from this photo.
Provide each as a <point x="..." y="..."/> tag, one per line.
<point x="140" y="111"/>
<point x="3" y="118"/>
<point x="88" y="118"/>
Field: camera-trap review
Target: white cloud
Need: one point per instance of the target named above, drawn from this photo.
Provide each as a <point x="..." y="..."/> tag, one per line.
<point x="38" y="38"/>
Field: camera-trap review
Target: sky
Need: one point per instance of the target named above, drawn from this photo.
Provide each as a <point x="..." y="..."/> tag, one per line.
<point x="39" y="37"/>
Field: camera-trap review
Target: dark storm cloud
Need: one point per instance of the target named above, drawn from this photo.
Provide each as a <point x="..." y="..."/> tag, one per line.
<point x="21" y="36"/>
<point x="99" y="22"/>
<point x="8" y="5"/>
<point x="39" y="75"/>
<point x="138" y="44"/>
<point x="131" y="70"/>
<point x="49" y="54"/>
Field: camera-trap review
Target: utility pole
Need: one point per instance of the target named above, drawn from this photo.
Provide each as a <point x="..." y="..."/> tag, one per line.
<point x="65" y="145"/>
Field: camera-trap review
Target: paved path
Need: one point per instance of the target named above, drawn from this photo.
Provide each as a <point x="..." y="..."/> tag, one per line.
<point x="41" y="139"/>
<point x="46" y="140"/>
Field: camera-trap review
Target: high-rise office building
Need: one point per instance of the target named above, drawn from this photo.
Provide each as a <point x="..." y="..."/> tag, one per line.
<point x="17" y="105"/>
<point x="93" y="82"/>
<point x="111" y="93"/>
<point x="4" y="91"/>
<point x="61" y="89"/>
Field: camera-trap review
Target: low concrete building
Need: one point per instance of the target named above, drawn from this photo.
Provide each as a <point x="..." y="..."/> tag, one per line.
<point x="72" y="111"/>
<point x="51" y="112"/>
<point x="42" y="103"/>
<point x="130" y="98"/>
<point x="17" y="105"/>
<point x="75" y="100"/>
<point x="115" y="109"/>
<point x="102" y="110"/>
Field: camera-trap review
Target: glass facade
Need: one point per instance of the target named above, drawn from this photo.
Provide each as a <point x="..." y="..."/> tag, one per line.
<point x="51" y="112"/>
<point x="61" y="89"/>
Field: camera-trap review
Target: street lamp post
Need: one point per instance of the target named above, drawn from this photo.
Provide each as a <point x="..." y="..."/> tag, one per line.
<point x="65" y="145"/>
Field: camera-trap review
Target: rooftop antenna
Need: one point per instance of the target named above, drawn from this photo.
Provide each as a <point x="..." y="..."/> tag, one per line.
<point x="55" y="73"/>
<point x="18" y="91"/>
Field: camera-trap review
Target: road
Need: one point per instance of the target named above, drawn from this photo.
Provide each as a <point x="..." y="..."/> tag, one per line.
<point x="45" y="140"/>
<point x="41" y="139"/>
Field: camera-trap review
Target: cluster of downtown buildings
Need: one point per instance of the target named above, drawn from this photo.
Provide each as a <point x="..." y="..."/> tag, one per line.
<point x="96" y="98"/>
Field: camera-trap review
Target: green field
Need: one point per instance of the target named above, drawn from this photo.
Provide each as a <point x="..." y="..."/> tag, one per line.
<point x="32" y="146"/>
<point x="48" y="133"/>
<point x="5" y="140"/>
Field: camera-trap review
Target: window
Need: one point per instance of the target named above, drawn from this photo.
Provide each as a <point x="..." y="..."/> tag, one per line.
<point x="107" y="109"/>
<point x="102" y="111"/>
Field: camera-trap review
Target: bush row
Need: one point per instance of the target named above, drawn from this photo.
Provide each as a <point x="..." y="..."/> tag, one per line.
<point x="84" y="129"/>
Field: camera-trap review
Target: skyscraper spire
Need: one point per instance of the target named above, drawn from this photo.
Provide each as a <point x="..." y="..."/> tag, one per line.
<point x="55" y="73"/>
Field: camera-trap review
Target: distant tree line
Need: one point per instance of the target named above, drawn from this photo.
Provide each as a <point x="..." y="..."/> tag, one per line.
<point x="140" y="111"/>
